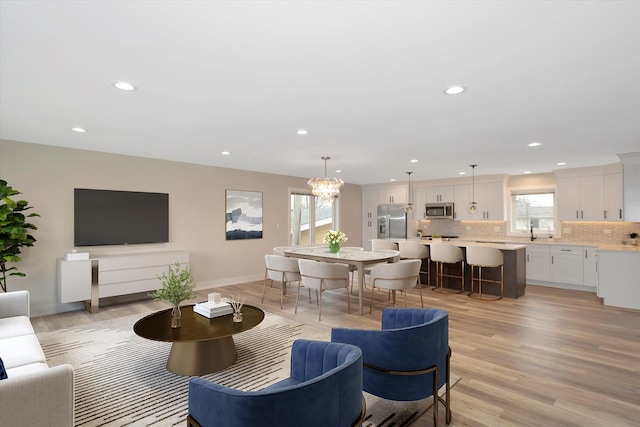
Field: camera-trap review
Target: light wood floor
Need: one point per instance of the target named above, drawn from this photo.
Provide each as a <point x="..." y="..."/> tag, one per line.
<point x="551" y="358"/>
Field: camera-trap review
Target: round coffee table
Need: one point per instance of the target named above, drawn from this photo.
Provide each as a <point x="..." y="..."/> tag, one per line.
<point x="201" y="345"/>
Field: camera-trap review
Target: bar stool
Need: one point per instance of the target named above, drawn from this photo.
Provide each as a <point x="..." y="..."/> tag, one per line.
<point x="482" y="256"/>
<point x="378" y="244"/>
<point x="415" y="250"/>
<point x="442" y="253"/>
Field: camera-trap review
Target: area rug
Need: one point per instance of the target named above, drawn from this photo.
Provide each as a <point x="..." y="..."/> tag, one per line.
<point x="121" y="379"/>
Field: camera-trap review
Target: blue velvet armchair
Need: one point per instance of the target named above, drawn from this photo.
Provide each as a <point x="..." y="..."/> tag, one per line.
<point x="408" y="359"/>
<point x="324" y="389"/>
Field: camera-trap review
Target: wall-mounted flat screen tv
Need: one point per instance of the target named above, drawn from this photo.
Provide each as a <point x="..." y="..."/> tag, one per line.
<point x="108" y="217"/>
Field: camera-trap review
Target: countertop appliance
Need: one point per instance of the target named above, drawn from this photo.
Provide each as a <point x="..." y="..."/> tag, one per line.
<point x="439" y="211"/>
<point x="392" y="222"/>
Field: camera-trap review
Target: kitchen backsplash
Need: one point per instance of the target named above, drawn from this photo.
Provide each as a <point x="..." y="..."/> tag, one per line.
<point x="607" y="233"/>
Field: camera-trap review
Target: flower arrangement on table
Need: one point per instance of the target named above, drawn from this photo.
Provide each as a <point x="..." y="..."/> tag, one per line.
<point x="334" y="238"/>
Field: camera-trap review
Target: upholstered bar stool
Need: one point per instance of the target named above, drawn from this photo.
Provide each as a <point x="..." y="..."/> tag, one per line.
<point x="443" y="253"/>
<point x="481" y="256"/>
<point x="378" y="244"/>
<point x="415" y="250"/>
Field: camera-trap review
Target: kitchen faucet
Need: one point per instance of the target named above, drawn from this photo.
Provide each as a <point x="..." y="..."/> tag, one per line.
<point x="532" y="238"/>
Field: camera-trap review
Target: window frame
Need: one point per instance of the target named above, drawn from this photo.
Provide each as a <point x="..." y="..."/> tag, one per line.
<point x="312" y="214"/>
<point x="532" y="189"/>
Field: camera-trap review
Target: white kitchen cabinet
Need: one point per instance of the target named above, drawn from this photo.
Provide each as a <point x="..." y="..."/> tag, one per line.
<point x="613" y="196"/>
<point x="462" y="198"/>
<point x="618" y="278"/>
<point x="538" y="262"/>
<point x="392" y="195"/>
<point x="488" y="196"/>
<point x="439" y="194"/>
<point x="580" y="198"/>
<point x="590" y="266"/>
<point x="369" y="232"/>
<point x="567" y="265"/>
<point x="369" y="204"/>
<point x="419" y="201"/>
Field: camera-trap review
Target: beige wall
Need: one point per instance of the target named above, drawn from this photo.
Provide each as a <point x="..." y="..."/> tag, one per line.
<point x="47" y="175"/>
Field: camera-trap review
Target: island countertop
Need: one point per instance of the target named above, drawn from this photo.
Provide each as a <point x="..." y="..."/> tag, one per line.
<point x="463" y="243"/>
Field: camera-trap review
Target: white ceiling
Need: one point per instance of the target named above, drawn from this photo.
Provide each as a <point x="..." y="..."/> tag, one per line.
<point x="365" y="78"/>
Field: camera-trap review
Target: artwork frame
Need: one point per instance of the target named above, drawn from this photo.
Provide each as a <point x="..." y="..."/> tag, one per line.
<point x="243" y="214"/>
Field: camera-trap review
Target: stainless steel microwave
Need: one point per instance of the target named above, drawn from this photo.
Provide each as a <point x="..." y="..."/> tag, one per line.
<point x="439" y="210"/>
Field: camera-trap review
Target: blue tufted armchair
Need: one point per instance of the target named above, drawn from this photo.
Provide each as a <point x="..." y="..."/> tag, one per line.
<point x="408" y="359"/>
<point x="324" y="389"/>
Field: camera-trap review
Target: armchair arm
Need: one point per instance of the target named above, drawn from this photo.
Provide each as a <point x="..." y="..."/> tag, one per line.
<point x="311" y="359"/>
<point x="14" y="303"/>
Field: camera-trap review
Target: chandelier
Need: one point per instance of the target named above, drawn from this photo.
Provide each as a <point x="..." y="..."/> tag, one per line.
<point x="473" y="206"/>
<point x="409" y="206"/>
<point x="325" y="188"/>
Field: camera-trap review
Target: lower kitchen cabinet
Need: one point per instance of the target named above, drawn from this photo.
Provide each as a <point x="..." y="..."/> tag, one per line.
<point x="590" y="270"/>
<point x="567" y="265"/>
<point x="538" y="262"/>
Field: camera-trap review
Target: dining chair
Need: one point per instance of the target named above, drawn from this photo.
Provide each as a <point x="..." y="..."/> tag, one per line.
<point x="323" y="276"/>
<point x="283" y="270"/>
<point x="377" y="244"/>
<point x="401" y="275"/>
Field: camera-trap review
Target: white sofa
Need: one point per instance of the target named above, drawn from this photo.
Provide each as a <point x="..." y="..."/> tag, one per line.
<point x="33" y="394"/>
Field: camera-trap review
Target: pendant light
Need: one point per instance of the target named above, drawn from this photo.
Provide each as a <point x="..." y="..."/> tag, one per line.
<point x="473" y="206"/>
<point x="408" y="208"/>
<point x="325" y="188"/>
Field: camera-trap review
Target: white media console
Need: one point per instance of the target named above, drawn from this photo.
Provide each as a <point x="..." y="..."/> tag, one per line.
<point x="112" y="275"/>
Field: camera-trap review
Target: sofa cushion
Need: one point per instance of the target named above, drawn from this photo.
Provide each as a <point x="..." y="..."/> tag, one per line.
<point x="3" y="372"/>
<point x="26" y="369"/>
<point x="19" y="351"/>
<point x="15" y="326"/>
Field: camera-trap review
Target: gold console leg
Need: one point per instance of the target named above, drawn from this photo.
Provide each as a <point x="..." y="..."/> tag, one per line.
<point x="202" y="357"/>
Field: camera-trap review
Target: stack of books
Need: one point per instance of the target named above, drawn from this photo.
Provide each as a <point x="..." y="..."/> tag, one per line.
<point x="213" y="309"/>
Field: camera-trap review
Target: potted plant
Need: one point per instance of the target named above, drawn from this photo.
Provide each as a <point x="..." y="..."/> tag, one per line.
<point x="633" y="236"/>
<point x="14" y="231"/>
<point x="177" y="286"/>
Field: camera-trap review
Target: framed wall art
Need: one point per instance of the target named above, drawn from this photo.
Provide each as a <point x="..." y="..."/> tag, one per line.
<point x="243" y="215"/>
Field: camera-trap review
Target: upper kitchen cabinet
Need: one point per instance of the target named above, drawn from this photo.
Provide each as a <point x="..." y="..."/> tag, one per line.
<point x="613" y="201"/>
<point x="444" y="193"/>
<point x="590" y="194"/>
<point x="392" y="195"/>
<point x="369" y="205"/>
<point x="631" y="186"/>
<point x="419" y="200"/>
<point x="488" y="196"/>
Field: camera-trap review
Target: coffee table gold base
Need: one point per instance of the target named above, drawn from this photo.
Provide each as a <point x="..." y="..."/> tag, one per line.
<point x="201" y="357"/>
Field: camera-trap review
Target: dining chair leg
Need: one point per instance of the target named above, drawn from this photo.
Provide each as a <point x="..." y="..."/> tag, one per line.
<point x="298" y="297"/>
<point x="348" y="300"/>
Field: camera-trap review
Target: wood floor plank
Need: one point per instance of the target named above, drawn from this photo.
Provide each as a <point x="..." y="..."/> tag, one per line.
<point x="553" y="357"/>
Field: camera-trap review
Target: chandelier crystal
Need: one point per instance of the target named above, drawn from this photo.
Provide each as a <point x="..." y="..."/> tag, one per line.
<point x="325" y="188"/>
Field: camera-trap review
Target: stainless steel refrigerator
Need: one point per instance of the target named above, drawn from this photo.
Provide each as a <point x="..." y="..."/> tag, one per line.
<point x="392" y="222"/>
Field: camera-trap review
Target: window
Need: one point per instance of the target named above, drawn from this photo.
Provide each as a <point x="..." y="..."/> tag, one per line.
<point x="532" y="209"/>
<point x="307" y="209"/>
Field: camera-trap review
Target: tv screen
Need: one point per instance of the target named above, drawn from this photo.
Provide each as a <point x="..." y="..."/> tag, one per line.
<point x="107" y="217"/>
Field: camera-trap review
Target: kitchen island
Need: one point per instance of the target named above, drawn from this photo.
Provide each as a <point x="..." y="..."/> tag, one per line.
<point x="515" y="257"/>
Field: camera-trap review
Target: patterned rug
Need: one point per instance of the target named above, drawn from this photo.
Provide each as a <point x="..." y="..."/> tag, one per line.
<point x="121" y="379"/>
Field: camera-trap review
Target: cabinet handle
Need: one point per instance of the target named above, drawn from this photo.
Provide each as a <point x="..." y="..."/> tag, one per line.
<point x="527" y="257"/>
<point x="605" y="214"/>
<point x="577" y="216"/>
<point x="585" y="253"/>
<point x="565" y="250"/>
<point x="581" y="214"/>
<point x="551" y="259"/>
<point x="620" y="213"/>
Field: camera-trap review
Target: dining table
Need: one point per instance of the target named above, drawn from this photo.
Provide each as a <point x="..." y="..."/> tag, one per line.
<point x="357" y="258"/>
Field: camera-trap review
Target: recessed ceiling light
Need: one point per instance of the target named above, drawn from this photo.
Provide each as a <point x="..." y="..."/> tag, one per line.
<point x="413" y="161"/>
<point x="128" y="87"/>
<point x="392" y="179"/>
<point x="302" y="132"/>
<point x="462" y="173"/>
<point x="561" y="163"/>
<point x="338" y="171"/>
<point x="79" y="130"/>
<point x="454" y="90"/>
<point x="534" y="144"/>
<point x="526" y="172"/>
<point x="225" y="153"/>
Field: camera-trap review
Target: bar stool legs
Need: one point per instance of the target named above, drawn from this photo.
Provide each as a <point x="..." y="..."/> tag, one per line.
<point x="440" y="275"/>
<point x="482" y="256"/>
<point x="479" y="279"/>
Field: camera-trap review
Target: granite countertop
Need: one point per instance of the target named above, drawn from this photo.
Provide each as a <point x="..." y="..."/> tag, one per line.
<point x="511" y="244"/>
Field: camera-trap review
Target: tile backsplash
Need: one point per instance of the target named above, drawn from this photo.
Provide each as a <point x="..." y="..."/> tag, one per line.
<point x="596" y="232"/>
